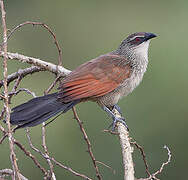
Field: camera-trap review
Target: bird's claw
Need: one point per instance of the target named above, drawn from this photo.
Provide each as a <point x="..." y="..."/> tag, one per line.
<point x="116" y="107"/>
<point x="115" y="120"/>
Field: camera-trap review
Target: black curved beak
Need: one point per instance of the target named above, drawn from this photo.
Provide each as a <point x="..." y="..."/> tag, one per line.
<point x="149" y="36"/>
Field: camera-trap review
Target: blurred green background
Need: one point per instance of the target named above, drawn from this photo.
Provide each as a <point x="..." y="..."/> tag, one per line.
<point x="156" y="111"/>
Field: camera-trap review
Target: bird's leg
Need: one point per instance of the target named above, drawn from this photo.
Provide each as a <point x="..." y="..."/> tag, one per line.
<point x="114" y="117"/>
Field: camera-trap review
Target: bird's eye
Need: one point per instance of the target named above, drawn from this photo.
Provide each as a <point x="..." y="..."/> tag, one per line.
<point x="137" y="39"/>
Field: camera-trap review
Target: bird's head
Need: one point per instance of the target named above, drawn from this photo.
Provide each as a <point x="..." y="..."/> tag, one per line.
<point x="136" y="42"/>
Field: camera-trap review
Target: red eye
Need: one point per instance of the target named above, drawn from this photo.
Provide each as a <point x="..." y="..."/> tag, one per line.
<point x="137" y="39"/>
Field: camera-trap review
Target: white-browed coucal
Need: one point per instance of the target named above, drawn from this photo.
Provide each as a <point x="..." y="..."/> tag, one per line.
<point x="104" y="80"/>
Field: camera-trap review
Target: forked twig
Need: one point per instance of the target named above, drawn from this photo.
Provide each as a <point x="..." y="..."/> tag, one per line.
<point x="22" y="73"/>
<point x="153" y="176"/>
<point x="27" y="153"/>
<point x="45" y="156"/>
<point x="143" y="156"/>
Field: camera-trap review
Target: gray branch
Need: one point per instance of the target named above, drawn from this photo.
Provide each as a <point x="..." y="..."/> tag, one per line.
<point x="36" y="62"/>
<point x="126" y="149"/>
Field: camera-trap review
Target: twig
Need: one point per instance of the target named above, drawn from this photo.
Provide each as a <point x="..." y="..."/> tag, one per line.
<point x="2" y="113"/>
<point x="9" y="172"/>
<point x="113" y="170"/>
<point x="16" y="174"/>
<point x="52" y="85"/>
<point x="2" y="129"/>
<point x="5" y="134"/>
<point x="52" y="174"/>
<point x="16" y="84"/>
<point x="27" y="153"/>
<point x="70" y="169"/>
<point x="143" y="156"/>
<point x="111" y="132"/>
<point x="22" y="73"/>
<point x="2" y="97"/>
<point x="22" y="89"/>
<point x="153" y="176"/>
<point x="3" y="137"/>
<point x="88" y="144"/>
<point x="126" y="149"/>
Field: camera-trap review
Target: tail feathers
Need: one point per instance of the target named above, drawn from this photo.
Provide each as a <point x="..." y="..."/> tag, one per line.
<point x="38" y="110"/>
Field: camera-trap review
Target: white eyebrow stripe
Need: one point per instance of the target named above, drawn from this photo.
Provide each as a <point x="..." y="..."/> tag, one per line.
<point x="136" y="37"/>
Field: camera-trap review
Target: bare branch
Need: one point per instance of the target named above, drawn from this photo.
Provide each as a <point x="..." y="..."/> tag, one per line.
<point x="16" y="174"/>
<point x="143" y="156"/>
<point x="1" y="96"/>
<point x="27" y="153"/>
<point x="53" y="84"/>
<point x="2" y="114"/>
<point x="153" y="176"/>
<point x="51" y="158"/>
<point x="88" y="144"/>
<point x="36" y="62"/>
<point x="22" y="89"/>
<point x="52" y="174"/>
<point x="70" y="169"/>
<point x="3" y="137"/>
<point x="113" y="170"/>
<point x="22" y="73"/>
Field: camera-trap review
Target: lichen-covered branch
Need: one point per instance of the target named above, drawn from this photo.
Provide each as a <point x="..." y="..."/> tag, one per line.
<point x="36" y="62"/>
<point x="126" y="149"/>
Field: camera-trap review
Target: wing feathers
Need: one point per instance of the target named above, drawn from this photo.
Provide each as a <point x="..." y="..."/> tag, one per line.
<point x="95" y="78"/>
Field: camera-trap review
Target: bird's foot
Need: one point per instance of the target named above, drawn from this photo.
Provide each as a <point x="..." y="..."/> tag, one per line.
<point x="116" y="107"/>
<point x="121" y="120"/>
<point x="115" y="118"/>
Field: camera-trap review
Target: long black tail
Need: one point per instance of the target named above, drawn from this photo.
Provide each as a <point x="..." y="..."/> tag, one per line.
<point x="38" y="110"/>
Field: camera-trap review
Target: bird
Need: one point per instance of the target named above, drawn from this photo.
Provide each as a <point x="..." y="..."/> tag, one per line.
<point x="104" y="80"/>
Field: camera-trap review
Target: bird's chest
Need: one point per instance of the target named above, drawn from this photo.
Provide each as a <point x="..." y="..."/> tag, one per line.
<point x="126" y="87"/>
<point x="134" y="80"/>
<point x="130" y="84"/>
<point x="123" y="90"/>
